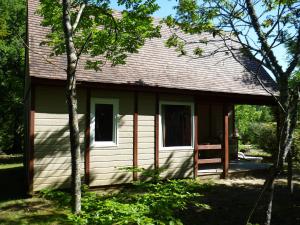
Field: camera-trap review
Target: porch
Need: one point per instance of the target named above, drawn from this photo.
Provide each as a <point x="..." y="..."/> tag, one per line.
<point x="216" y="143"/>
<point x="235" y="167"/>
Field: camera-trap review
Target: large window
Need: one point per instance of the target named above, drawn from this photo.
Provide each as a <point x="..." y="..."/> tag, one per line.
<point x="104" y="122"/>
<point x="176" y="125"/>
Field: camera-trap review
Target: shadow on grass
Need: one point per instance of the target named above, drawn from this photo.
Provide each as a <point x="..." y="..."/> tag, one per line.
<point x="12" y="183"/>
<point x="231" y="204"/>
<point x="39" y="217"/>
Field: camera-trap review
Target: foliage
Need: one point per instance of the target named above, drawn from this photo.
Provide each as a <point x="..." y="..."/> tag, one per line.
<point x="12" y="69"/>
<point x="145" y="203"/>
<point x="247" y="115"/>
<point x="264" y="136"/>
<point x="120" y="33"/>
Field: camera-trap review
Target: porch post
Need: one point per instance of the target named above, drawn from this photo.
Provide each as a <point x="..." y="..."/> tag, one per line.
<point x="226" y="140"/>
<point x="87" y="137"/>
<point x="135" y="136"/>
<point x="31" y="140"/>
<point x="196" y="156"/>
<point x="156" y="150"/>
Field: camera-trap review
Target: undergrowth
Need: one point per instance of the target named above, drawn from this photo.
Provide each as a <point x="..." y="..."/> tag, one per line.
<point x="147" y="202"/>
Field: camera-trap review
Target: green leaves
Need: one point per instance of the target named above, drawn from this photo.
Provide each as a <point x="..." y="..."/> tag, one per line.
<point x="102" y="31"/>
<point x="12" y="72"/>
<point x="146" y="203"/>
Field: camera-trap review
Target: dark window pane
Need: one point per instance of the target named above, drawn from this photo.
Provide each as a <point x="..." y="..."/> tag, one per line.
<point x="103" y="122"/>
<point x="176" y="125"/>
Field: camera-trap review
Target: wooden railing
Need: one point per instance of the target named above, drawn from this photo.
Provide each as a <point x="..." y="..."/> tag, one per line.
<point x="210" y="147"/>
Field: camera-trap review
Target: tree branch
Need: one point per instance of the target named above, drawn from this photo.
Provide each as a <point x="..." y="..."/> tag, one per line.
<point x="38" y="53"/>
<point x="264" y="44"/>
<point x="79" y="14"/>
<point x="296" y="57"/>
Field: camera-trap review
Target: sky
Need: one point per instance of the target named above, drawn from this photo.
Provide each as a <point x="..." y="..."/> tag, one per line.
<point x="167" y="8"/>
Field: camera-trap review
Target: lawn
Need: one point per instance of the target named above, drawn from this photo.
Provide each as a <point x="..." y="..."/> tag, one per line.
<point x="10" y="161"/>
<point x="31" y="211"/>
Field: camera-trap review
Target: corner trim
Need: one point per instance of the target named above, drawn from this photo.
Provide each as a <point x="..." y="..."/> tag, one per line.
<point x="156" y="124"/>
<point x="31" y="141"/>
<point x="135" y="136"/>
<point x="87" y="137"/>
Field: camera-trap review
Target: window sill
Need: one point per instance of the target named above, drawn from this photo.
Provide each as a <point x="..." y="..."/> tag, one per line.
<point x="177" y="148"/>
<point x="104" y="144"/>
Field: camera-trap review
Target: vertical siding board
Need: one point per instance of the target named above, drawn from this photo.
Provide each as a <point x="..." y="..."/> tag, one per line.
<point x="135" y="136"/>
<point x="196" y="150"/>
<point x="87" y="137"/>
<point x="156" y="153"/>
<point x="226" y="140"/>
<point x="31" y="141"/>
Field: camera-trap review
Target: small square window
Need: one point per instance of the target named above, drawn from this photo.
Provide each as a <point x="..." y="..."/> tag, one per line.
<point x="104" y="122"/>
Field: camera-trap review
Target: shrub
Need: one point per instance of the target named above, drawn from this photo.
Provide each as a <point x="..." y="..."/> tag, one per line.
<point x="264" y="136"/>
<point x="146" y="203"/>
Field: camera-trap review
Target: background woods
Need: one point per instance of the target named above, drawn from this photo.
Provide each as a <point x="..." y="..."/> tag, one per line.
<point x="12" y="74"/>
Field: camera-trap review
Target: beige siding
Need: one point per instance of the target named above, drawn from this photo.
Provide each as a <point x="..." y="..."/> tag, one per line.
<point x="106" y="163"/>
<point x="146" y="134"/>
<point x="52" y="164"/>
<point x="52" y="167"/>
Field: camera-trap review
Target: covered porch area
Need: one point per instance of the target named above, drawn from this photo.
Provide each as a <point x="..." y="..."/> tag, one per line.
<point x="216" y="142"/>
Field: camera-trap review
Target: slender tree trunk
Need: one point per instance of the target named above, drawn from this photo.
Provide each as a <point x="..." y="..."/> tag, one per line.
<point x="290" y="172"/>
<point x="270" y="203"/>
<point x="72" y="107"/>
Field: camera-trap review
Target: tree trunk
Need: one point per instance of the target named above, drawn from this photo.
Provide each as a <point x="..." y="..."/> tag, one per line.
<point x="72" y="107"/>
<point x="290" y="172"/>
<point x="270" y="203"/>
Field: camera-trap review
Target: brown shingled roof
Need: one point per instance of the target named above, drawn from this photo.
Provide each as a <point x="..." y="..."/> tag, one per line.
<point x="154" y="65"/>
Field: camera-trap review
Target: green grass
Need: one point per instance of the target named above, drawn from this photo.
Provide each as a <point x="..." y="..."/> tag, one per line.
<point x="31" y="211"/>
<point x="11" y="161"/>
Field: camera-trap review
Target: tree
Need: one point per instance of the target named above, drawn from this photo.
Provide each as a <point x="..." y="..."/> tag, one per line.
<point x="92" y="27"/>
<point x="256" y="29"/>
<point x="12" y="64"/>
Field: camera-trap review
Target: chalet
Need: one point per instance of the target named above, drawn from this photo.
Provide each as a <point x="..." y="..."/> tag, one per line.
<point x="157" y="111"/>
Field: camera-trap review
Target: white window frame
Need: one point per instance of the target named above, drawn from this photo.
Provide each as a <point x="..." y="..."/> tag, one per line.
<point x="191" y="104"/>
<point x="115" y="103"/>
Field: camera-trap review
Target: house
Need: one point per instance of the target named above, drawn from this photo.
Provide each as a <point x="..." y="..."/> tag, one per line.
<point x="157" y="111"/>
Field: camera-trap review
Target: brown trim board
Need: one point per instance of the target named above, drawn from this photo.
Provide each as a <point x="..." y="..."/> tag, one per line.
<point x="135" y="136"/>
<point x="87" y="137"/>
<point x="156" y="151"/>
<point x="226" y="140"/>
<point x="196" y="150"/>
<point x="31" y="141"/>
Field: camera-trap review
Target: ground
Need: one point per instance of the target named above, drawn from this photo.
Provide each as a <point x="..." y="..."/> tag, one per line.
<point x="230" y="201"/>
